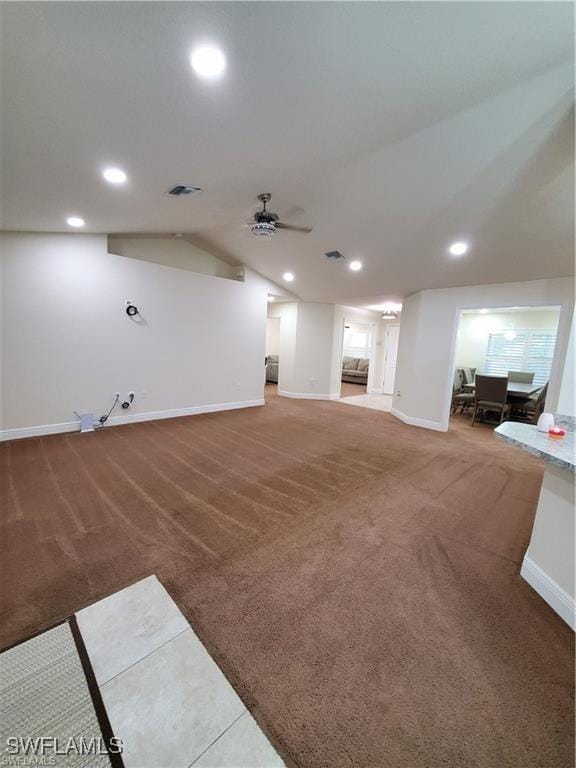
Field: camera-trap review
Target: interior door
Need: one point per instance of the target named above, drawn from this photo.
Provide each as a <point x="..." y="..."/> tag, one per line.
<point x="390" y="355"/>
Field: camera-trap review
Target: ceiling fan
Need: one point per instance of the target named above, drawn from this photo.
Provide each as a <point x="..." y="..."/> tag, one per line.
<point x="266" y="223"/>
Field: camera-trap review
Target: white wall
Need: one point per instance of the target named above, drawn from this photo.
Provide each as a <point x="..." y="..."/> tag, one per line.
<point x="549" y="562"/>
<point x="273" y="336"/>
<point x="287" y="312"/>
<point x="428" y="340"/>
<point x="475" y="330"/>
<point x="313" y="364"/>
<point x="171" y="252"/>
<point x="308" y="349"/>
<point x="566" y="400"/>
<point x="67" y="343"/>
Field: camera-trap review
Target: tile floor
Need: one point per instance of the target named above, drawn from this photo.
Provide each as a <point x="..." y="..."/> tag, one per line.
<point x="165" y="696"/>
<point x="377" y="402"/>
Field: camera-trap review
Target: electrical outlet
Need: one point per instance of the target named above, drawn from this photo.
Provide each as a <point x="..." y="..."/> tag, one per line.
<point x="143" y="394"/>
<point x="237" y="385"/>
<point x="398" y="393"/>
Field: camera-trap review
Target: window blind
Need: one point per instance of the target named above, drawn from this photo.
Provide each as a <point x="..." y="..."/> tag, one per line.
<point x="531" y="351"/>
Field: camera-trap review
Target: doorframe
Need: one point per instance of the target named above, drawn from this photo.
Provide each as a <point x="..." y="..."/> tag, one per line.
<point x="373" y="333"/>
<point x="560" y="349"/>
<point x="388" y="326"/>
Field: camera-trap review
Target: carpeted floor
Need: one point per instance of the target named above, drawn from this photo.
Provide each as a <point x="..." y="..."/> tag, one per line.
<point x="44" y="692"/>
<point x="356" y="579"/>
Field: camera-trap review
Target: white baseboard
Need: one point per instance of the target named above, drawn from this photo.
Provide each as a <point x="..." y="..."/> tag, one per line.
<point x="424" y="423"/>
<point x="74" y="426"/>
<point x="308" y="395"/>
<point x="559" y="600"/>
<point x="376" y="391"/>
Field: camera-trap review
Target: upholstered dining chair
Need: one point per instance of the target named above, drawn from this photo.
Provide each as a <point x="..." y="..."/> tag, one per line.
<point x="521" y="377"/>
<point x="490" y="395"/>
<point x="530" y="408"/>
<point x="460" y="399"/>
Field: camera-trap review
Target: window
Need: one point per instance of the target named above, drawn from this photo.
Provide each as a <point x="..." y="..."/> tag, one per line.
<point x="357" y="340"/>
<point x="531" y="351"/>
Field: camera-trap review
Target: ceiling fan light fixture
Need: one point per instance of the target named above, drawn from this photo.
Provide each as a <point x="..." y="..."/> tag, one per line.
<point x="263" y="228"/>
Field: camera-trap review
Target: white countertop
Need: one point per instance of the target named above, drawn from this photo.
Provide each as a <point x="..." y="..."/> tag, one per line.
<point x="561" y="453"/>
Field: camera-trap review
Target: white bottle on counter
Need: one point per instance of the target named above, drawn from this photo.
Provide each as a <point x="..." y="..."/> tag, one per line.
<point x="545" y="421"/>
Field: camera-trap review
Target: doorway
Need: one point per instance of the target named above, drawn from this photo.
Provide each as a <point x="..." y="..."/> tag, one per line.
<point x="357" y="356"/>
<point x="390" y="357"/>
<point x="508" y="347"/>
<point x="272" y="353"/>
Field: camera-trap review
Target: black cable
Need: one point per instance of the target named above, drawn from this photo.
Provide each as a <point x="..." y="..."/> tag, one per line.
<point x="103" y="419"/>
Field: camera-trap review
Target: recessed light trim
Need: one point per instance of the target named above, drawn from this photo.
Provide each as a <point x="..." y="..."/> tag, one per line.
<point x="75" y="221"/>
<point x="208" y="62"/>
<point x="355" y="265"/>
<point x="459" y="248"/>
<point x="288" y="277"/>
<point x="114" y="175"/>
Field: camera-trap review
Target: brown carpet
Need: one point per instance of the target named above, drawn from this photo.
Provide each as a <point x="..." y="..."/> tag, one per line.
<point x="356" y="579"/>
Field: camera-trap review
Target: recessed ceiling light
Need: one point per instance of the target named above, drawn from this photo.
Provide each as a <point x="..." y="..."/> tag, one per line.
<point x="114" y="175"/>
<point x="355" y="266"/>
<point x="483" y="311"/>
<point x="75" y="221"/>
<point x="288" y="276"/>
<point x="459" y="248"/>
<point x="208" y="62"/>
<point x="270" y="299"/>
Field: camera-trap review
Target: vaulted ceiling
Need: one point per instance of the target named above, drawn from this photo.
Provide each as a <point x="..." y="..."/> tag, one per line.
<point x="390" y="128"/>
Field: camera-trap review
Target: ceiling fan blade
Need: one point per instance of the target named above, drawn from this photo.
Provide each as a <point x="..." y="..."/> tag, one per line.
<point x="292" y="228"/>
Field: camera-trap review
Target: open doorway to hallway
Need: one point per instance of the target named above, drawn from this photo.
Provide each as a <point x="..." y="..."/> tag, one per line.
<point x="379" y="388"/>
<point x="272" y="352"/>
<point x="357" y="356"/>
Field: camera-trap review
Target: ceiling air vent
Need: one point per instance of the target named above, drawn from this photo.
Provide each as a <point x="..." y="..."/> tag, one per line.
<point x="335" y="256"/>
<point x="182" y="189"/>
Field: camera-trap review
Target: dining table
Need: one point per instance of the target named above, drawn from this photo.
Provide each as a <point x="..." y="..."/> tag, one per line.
<point x="514" y="389"/>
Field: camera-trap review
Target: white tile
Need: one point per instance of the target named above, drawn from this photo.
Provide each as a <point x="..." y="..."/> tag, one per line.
<point x="125" y="627"/>
<point x="170" y="706"/>
<point x="377" y="402"/>
<point x="243" y="745"/>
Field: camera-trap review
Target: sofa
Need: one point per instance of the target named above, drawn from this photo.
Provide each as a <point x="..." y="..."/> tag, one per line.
<point x="355" y="370"/>
<point x="272" y="368"/>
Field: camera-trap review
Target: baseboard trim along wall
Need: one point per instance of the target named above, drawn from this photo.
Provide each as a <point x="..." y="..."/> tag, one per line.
<point x="74" y="426"/>
<point x="308" y="395"/>
<point x="559" y="600"/>
<point x="424" y="423"/>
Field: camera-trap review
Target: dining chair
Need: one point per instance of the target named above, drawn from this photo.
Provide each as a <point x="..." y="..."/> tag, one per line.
<point x="468" y="374"/>
<point x="521" y="377"/>
<point x="460" y="399"/>
<point x="530" y="408"/>
<point x="490" y="395"/>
